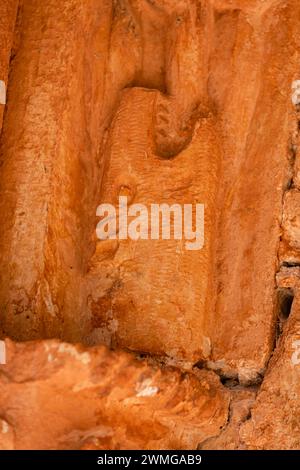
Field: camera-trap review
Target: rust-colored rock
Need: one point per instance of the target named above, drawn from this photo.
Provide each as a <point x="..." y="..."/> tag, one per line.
<point x="147" y="314"/>
<point x="275" y="418"/>
<point x="161" y="101"/>
<point x="8" y="12"/>
<point x="56" y="395"/>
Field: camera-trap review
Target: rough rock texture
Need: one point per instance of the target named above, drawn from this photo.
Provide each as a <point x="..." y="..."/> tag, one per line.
<point x="161" y="101"/>
<point x="8" y="12"/>
<point x="275" y="418"/>
<point x="55" y="395"/>
<point x="144" y="313"/>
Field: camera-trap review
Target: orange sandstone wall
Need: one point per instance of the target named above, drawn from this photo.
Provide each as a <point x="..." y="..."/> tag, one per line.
<point x="162" y="101"/>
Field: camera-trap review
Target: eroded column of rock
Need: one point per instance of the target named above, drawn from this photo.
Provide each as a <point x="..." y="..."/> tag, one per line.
<point x="289" y="253"/>
<point x="50" y="173"/>
<point x="128" y="287"/>
<point x="139" y="306"/>
<point x="56" y="396"/>
<point x="8" y="13"/>
<point x="252" y="71"/>
<point x="274" y="422"/>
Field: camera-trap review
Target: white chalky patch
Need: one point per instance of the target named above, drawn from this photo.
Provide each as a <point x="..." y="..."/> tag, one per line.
<point x="2" y="352"/>
<point x="206" y="346"/>
<point x="82" y="357"/>
<point x="145" y="389"/>
<point x="148" y="392"/>
<point x="98" y="432"/>
<point x="50" y="358"/>
<point x="295" y="84"/>
<point x="296" y="92"/>
<point x="296" y="354"/>
<point x="2" y="92"/>
<point x="5" y="427"/>
<point x="52" y="309"/>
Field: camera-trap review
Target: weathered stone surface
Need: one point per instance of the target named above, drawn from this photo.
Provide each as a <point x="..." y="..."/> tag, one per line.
<point x="239" y="413"/>
<point x="57" y="396"/>
<point x="160" y="101"/>
<point x="147" y="314"/>
<point x="290" y="247"/>
<point x="54" y="162"/>
<point x="255" y="102"/>
<point x="275" y="417"/>
<point x="49" y="174"/>
<point x="8" y="13"/>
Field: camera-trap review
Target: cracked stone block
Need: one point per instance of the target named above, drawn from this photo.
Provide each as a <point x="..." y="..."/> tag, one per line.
<point x="275" y="416"/>
<point x="242" y="400"/>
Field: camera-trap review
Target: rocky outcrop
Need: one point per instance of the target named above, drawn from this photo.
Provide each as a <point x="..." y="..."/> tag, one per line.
<point x="186" y="102"/>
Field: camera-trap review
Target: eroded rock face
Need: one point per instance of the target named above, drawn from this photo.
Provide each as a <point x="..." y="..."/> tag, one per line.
<point x="275" y="416"/>
<point x="148" y="315"/>
<point x="55" y="395"/>
<point x="160" y="101"/>
<point x="8" y="13"/>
